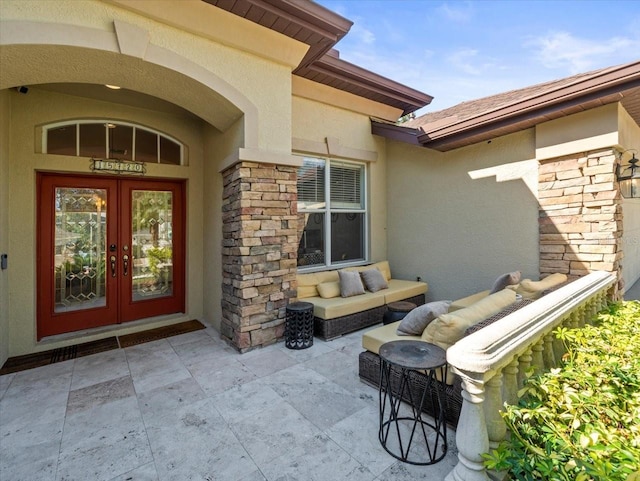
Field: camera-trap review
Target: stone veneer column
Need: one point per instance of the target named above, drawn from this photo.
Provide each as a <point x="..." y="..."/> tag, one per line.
<point x="259" y="252"/>
<point x="580" y="215"/>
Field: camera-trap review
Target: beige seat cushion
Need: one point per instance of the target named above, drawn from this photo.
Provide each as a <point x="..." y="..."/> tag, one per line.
<point x="344" y="306"/>
<point x="533" y="289"/>
<point x="468" y="301"/>
<point x="308" y="283"/>
<point x="374" y="338"/>
<point x="400" y="289"/>
<point x="449" y="328"/>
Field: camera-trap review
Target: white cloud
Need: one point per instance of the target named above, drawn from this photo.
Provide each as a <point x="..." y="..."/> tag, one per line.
<point x="462" y="12"/>
<point x="562" y="50"/>
<point x="463" y="60"/>
<point x="362" y="34"/>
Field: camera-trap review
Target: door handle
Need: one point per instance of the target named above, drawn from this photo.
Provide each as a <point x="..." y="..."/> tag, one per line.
<point x="125" y="262"/>
<point x="112" y="259"/>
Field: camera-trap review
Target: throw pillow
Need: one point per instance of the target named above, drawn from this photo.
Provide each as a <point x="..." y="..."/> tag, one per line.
<point x="373" y="279"/>
<point x="508" y="279"/>
<point x="328" y="290"/>
<point x="416" y="321"/>
<point x="350" y="283"/>
<point x="449" y="328"/>
<point x="533" y="289"/>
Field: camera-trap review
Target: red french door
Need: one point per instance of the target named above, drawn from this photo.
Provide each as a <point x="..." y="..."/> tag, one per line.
<point x="109" y="251"/>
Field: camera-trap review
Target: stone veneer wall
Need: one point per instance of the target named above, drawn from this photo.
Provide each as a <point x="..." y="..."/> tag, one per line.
<point x="259" y="252"/>
<point x="580" y="215"/>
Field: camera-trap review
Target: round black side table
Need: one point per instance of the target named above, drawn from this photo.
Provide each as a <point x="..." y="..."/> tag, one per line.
<point x="298" y="329"/>
<point x="408" y="371"/>
<point x="396" y="311"/>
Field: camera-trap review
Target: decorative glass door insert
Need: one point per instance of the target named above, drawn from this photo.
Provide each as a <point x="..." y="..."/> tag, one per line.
<point x="152" y="245"/>
<point x="80" y="248"/>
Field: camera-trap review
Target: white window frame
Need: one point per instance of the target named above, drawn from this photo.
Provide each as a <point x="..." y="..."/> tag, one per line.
<point x="328" y="210"/>
<point x="106" y="122"/>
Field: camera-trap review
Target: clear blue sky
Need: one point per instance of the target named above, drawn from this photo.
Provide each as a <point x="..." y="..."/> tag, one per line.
<point x="463" y="50"/>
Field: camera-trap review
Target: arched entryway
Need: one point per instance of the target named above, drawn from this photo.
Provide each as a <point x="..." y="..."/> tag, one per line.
<point x="64" y="72"/>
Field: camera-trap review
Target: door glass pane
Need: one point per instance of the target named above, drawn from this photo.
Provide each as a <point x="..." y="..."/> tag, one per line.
<point x="152" y="245"/>
<point x="80" y="248"/>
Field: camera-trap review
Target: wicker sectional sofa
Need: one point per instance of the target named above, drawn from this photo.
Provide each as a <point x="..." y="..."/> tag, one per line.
<point x="335" y="315"/>
<point x="369" y="361"/>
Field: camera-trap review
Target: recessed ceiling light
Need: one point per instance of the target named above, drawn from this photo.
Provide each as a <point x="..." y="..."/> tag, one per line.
<point x="113" y="87"/>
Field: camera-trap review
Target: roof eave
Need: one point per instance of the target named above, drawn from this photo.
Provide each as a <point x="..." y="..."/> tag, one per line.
<point x="364" y="82"/>
<point x="531" y="111"/>
<point x="395" y="132"/>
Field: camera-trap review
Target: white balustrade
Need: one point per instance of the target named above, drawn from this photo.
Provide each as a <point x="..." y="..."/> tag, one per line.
<point x="493" y="363"/>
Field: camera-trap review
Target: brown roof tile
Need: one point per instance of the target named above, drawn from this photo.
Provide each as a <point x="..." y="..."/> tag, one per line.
<point x="472" y="108"/>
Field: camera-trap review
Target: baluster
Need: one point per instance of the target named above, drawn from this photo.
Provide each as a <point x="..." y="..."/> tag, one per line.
<point x="558" y="345"/>
<point x="537" y="359"/>
<point x="548" y="353"/>
<point x="472" y="439"/>
<point x="602" y="298"/>
<point x="511" y="382"/>
<point x="496" y="427"/>
<point x="525" y="364"/>
<point x="574" y="317"/>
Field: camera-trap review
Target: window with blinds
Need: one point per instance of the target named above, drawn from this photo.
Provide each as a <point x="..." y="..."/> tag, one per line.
<point x="331" y="199"/>
<point x="346" y="186"/>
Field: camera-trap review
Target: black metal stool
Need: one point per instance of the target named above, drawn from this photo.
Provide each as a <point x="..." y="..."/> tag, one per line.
<point x="404" y="433"/>
<point x="298" y="329"/>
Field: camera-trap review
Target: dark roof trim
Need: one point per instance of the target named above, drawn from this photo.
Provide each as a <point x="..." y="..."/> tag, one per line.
<point x="395" y="132"/>
<point x="605" y="84"/>
<point x="333" y="71"/>
<point x="320" y="28"/>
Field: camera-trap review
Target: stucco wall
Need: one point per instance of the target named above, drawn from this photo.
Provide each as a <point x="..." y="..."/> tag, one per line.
<point x="315" y="122"/>
<point x="40" y="107"/>
<point x="462" y="218"/>
<point x="217" y="146"/>
<point x="260" y="84"/>
<point x="5" y="115"/>
<point x="581" y="132"/>
<point x="630" y="139"/>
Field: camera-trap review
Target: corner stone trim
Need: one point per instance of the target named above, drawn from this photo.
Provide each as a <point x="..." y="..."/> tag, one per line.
<point x="259" y="252"/>
<point x="580" y="220"/>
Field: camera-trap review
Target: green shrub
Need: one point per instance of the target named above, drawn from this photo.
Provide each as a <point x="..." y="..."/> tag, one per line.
<point x="580" y="421"/>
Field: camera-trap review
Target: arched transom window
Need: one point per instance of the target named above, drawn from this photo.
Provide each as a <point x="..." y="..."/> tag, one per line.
<point x="105" y="139"/>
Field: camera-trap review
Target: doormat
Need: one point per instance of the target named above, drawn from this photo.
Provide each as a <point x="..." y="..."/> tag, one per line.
<point x="160" y="333"/>
<point x="29" y="361"/>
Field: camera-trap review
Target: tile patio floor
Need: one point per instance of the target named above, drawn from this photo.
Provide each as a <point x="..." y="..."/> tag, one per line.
<point x="191" y="408"/>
